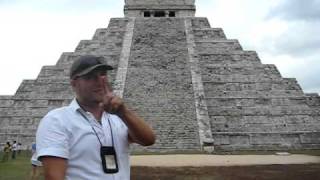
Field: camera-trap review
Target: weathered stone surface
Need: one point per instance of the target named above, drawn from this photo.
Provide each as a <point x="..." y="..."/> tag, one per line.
<point x="159" y="82"/>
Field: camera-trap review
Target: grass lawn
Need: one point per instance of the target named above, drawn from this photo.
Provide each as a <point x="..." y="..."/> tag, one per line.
<point x="20" y="169"/>
<point x="17" y="169"/>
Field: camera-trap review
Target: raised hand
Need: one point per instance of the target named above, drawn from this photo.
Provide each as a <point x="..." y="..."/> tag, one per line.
<point x="111" y="103"/>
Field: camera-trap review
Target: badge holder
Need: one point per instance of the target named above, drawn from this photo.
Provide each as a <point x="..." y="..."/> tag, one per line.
<point x="107" y="153"/>
<point x="109" y="159"/>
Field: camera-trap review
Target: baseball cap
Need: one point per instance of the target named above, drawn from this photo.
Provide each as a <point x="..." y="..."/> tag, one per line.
<point x="86" y="64"/>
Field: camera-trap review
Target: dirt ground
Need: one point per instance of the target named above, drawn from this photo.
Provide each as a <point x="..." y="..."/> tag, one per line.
<point x="260" y="172"/>
<point x="201" y="160"/>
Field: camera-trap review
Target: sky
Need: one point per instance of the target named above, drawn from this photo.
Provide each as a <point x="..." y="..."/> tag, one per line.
<point x="34" y="33"/>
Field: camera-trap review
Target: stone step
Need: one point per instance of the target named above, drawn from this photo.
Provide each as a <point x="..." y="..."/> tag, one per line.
<point x="96" y="46"/>
<point x="209" y="33"/>
<point x="66" y="60"/>
<point x="316" y="111"/>
<point x="257" y="101"/>
<point x="18" y="131"/>
<point x="248" y="86"/>
<point x="260" y="127"/>
<point x="316" y="95"/>
<point x="10" y="121"/>
<point x="240" y="78"/>
<point x="254" y="94"/>
<point x="45" y="91"/>
<point x="265" y="69"/>
<point x="53" y="72"/>
<point x="64" y="81"/>
<point x="30" y="103"/>
<point x="199" y="22"/>
<point x="210" y="46"/>
<point x="100" y="33"/>
<point x="25" y="86"/>
<point x="6" y="101"/>
<point x="105" y="34"/>
<point x="269" y="140"/>
<point x="39" y="103"/>
<point x="288" y="123"/>
<point x="25" y="112"/>
<point x="35" y="87"/>
<point x="114" y="33"/>
<point x="313" y="100"/>
<point x="48" y="95"/>
<point x="261" y="110"/>
<point x="238" y="53"/>
<point x="118" y="23"/>
<point x="239" y="58"/>
<point x="255" y="119"/>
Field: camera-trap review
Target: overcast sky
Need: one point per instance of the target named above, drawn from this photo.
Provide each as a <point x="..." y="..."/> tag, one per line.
<point x="34" y="33"/>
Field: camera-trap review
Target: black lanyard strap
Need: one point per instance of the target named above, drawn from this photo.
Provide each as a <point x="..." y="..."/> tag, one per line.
<point x="85" y="117"/>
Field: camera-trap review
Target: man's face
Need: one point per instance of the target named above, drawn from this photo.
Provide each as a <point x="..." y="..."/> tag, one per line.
<point x="91" y="88"/>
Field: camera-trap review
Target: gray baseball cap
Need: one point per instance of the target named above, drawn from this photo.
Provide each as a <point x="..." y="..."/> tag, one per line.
<point x="86" y="64"/>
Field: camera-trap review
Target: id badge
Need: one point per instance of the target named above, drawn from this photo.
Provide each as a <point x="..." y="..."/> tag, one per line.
<point x="109" y="159"/>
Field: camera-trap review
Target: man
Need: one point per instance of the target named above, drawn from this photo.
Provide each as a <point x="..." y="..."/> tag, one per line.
<point x="19" y="148"/>
<point x="6" y="151"/>
<point x="14" y="149"/>
<point x="35" y="163"/>
<point x="89" y="139"/>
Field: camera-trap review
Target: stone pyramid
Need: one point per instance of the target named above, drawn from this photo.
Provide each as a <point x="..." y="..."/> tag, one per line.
<point x="198" y="89"/>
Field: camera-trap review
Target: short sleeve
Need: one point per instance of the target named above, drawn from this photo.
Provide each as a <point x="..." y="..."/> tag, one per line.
<point x="52" y="138"/>
<point x="122" y="133"/>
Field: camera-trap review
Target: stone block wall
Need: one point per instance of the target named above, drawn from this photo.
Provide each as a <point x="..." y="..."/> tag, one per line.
<point x="251" y="106"/>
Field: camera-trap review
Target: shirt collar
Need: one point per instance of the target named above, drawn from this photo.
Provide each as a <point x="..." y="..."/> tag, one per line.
<point x="74" y="105"/>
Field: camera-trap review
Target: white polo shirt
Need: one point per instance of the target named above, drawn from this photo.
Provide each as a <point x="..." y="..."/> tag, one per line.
<point x="65" y="133"/>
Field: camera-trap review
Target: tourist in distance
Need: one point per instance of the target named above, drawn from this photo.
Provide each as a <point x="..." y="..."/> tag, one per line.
<point x="14" y="149"/>
<point x="35" y="163"/>
<point x="89" y="139"/>
<point x="6" y="152"/>
<point x="19" y="146"/>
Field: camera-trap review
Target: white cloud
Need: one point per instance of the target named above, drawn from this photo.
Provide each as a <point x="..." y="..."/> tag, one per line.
<point x="297" y="10"/>
<point x="32" y="39"/>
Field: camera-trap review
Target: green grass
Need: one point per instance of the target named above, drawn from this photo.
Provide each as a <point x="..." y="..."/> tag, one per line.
<point x="17" y="169"/>
<point x="20" y="168"/>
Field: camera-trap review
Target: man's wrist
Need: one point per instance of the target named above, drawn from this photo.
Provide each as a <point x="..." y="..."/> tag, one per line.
<point x="121" y="110"/>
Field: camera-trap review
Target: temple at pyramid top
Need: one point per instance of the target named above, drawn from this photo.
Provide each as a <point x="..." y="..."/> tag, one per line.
<point x="159" y="8"/>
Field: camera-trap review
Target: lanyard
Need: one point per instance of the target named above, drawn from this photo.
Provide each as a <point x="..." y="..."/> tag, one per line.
<point x="85" y="117"/>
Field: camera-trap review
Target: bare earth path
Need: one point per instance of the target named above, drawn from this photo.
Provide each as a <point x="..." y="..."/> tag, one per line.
<point x="225" y="167"/>
<point x="220" y="160"/>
